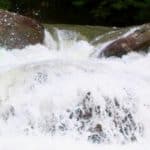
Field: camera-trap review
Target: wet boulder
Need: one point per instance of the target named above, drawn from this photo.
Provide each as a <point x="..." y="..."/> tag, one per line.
<point x="18" y="31"/>
<point x="139" y="40"/>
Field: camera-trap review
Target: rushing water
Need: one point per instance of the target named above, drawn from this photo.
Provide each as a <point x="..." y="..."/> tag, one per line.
<point x="61" y="96"/>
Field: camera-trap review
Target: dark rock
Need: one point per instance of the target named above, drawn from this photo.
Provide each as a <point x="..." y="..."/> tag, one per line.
<point x="137" y="41"/>
<point x="18" y="31"/>
<point x="97" y="128"/>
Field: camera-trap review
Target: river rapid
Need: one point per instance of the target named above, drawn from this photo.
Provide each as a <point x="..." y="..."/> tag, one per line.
<point x="61" y="96"/>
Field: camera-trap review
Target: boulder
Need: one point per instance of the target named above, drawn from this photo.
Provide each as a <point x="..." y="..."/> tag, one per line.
<point x="18" y="31"/>
<point x="136" y="41"/>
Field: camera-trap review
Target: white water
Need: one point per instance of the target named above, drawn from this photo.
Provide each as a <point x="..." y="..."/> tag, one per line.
<point x="59" y="97"/>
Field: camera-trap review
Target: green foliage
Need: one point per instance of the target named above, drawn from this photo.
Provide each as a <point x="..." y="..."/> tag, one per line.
<point x="116" y="11"/>
<point x="5" y="4"/>
<point x="103" y="12"/>
<point x="79" y="2"/>
<point x="120" y="11"/>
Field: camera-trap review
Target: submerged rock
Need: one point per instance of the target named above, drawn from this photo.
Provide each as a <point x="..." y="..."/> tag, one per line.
<point x="18" y="31"/>
<point x="139" y="40"/>
<point x="88" y="32"/>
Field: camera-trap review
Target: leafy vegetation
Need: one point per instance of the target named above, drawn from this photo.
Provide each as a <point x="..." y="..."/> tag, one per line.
<point x="101" y="12"/>
<point x="5" y="4"/>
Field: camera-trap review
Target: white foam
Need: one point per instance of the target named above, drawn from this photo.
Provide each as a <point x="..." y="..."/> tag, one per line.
<point x="37" y="82"/>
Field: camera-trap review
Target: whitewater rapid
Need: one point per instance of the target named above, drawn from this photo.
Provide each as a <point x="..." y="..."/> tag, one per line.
<point x="61" y="96"/>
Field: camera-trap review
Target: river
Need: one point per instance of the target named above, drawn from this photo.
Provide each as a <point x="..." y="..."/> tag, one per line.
<point x="61" y="96"/>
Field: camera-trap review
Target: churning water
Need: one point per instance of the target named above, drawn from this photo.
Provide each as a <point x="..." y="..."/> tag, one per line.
<point x="61" y="96"/>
